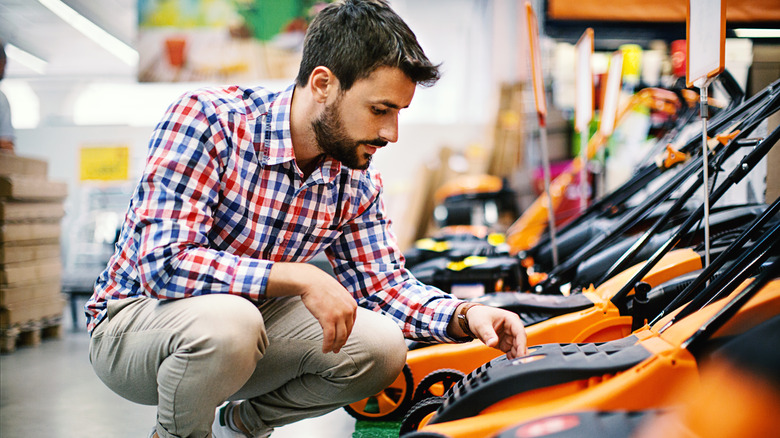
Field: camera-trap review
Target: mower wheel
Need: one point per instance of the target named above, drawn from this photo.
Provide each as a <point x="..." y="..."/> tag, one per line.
<point x="436" y="384"/>
<point x="420" y="414"/>
<point x="390" y="403"/>
<point x="424" y="435"/>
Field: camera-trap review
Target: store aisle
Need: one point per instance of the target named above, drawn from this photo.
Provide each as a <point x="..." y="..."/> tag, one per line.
<point x="50" y="391"/>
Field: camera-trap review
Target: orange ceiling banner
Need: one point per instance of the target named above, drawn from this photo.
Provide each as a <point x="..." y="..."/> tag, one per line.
<point x="661" y="11"/>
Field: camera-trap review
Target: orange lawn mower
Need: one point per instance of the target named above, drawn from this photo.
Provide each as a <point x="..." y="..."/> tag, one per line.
<point x="633" y="373"/>
<point x="582" y="317"/>
<point x="738" y="394"/>
<point x="589" y="316"/>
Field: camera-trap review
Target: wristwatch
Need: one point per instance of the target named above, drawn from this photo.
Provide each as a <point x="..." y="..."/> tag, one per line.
<point x="463" y="321"/>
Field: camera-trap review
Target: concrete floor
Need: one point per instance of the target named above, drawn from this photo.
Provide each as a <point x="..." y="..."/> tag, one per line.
<point x="50" y="391"/>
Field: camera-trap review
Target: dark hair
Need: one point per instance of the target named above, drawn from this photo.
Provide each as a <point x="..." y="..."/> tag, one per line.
<point x="2" y="60"/>
<point x="355" y="37"/>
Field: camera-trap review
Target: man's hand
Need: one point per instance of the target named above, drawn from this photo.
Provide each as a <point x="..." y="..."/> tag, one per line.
<point x="327" y="300"/>
<point x="496" y="328"/>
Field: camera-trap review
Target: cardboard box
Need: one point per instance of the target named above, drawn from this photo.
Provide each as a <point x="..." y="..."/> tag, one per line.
<point x="16" y="165"/>
<point x="15" y="211"/>
<point x="26" y="253"/>
<point x="31" y="188"/>
<point x="29" y="232"/>
<point x="37" y="271"/>
<point x="31" y="311"/>
<point x="10" y="296"/>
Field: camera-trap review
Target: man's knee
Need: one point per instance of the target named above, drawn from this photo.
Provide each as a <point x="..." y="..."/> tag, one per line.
<point x="384" y="349"/>
<point x="233" y="326"/>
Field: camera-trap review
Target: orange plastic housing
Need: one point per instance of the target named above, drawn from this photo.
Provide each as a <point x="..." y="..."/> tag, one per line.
<point x="644" y="386"/>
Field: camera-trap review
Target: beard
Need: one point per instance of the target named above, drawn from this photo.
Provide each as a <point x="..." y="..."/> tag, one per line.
<point x="334" y="141"/>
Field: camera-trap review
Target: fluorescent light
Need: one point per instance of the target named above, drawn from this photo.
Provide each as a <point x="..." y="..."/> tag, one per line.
<point x="757" y="33"/>
<point x="27" y="59"/>
<point x="116" y="47"/>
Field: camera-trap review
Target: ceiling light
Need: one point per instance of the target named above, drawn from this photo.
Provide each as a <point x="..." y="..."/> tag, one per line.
<point x="116" y="47"/>
<point x="757" y="33"/>
<point x="27" y="59"/>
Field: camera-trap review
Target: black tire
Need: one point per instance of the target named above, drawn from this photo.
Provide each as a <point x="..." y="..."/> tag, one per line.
<point x="391" y="403"/>
<point x="425" y="435"/>
<point x="418" y="413"/>
<point x="437" y="383"/>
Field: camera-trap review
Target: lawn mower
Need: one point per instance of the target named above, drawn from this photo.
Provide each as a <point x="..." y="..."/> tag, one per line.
<point x="628" y="373"/>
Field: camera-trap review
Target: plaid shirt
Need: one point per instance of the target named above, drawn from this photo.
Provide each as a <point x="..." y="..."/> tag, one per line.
<point x="221" y="199"/>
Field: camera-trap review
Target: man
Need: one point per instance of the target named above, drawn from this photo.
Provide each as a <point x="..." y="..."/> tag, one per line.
<point x="7" y="135"/>
<point x="208" y="297"/>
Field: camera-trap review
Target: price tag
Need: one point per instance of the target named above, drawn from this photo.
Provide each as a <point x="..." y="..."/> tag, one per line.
<point x="583" y="83"/>
<point x="706" y="37"/>
<point x="611" y="94"/>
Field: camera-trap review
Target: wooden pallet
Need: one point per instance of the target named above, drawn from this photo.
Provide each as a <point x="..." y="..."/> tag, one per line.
<point x="30" y="333"/>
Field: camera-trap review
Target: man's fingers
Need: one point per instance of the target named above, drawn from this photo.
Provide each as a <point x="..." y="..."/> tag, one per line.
<point x="328" y="337"/>
<point x="517" y="342"/>
<point x="337" y="333"/>
<point x="341" y="337"/>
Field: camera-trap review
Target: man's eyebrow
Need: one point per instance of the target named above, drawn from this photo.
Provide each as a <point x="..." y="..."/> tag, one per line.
<point x="387" y="103"/>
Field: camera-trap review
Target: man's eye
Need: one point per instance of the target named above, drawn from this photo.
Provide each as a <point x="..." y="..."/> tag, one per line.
<point x="378" y="111"/>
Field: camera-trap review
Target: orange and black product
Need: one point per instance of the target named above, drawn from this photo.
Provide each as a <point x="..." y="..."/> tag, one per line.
<point x="632" y="373"/>
<point x="738" y="395"/>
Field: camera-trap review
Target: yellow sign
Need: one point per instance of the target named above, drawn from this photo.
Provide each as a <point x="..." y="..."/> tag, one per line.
<point x="104" y="163"/>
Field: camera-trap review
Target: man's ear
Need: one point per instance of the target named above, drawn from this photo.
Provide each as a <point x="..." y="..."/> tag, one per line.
<point x="322" y="83"/>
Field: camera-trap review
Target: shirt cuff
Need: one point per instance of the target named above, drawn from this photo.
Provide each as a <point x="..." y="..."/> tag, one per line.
<point x="443" y="313"/>
<point x="251" y="278"/>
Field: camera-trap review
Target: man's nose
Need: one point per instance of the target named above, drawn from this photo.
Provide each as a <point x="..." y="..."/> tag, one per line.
<point x="389" y="131"/>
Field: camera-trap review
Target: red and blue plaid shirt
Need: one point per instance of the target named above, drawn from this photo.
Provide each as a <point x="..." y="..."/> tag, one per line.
<point x="221" y="199"/>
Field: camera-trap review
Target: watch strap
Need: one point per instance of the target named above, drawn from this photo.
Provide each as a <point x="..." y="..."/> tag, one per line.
<point x="463" y="320"/>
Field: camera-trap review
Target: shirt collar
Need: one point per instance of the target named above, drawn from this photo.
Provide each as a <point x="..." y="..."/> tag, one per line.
<point x="278" y="139"/>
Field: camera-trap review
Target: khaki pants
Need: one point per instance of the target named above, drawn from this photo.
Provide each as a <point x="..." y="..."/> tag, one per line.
<point x="188" y="356"/>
